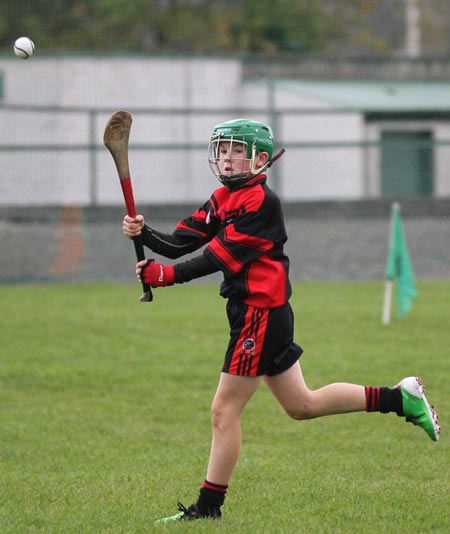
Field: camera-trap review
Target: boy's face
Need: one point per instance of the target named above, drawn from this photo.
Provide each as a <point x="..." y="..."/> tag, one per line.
<point x="233" y="158"/>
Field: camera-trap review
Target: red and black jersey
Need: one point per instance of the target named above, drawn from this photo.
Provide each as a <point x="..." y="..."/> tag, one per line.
<point x="245" y="234"/>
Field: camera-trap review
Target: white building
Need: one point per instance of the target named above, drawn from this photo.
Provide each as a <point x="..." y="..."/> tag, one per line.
<point x="344" y="139"/>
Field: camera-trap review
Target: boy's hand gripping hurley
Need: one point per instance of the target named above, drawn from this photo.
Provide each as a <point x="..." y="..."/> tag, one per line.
<point x="115" y="138"/>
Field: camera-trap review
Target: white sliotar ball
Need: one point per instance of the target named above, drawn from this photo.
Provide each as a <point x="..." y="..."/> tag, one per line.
<point x="24" y="47"/>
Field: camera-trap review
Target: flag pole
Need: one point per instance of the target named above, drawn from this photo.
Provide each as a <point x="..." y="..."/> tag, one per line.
<point x="386" y="318"/>
<point x="387" y="303"/>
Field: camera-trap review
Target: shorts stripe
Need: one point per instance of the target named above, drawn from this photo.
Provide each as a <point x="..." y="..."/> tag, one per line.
<point x="248" y="349"/>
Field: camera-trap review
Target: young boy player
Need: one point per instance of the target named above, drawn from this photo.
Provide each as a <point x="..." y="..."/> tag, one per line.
<point x="242" y="232"/>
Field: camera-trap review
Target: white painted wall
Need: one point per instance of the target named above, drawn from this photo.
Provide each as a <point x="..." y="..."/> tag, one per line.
<point x="116" y="82"/>
<point x="64" y="176"/>
<point x="41" y="177"/>
<point x="442" y="160"/>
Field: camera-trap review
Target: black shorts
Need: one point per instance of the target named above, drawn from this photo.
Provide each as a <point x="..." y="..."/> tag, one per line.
<point x="261" y="340"/>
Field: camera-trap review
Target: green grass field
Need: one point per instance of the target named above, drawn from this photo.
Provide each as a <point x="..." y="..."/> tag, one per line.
<point x="104" y="420"/>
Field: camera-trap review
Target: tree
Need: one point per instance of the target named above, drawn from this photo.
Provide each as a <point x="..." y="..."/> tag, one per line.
<point x="363" y="27"/>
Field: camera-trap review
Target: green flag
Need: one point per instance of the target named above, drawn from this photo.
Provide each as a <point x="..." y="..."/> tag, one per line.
<point x="398" y="265"/>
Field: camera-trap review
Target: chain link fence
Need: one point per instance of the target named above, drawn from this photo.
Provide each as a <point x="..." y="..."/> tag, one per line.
<point x="55" y="156"/>
<point x="61" y="201"/>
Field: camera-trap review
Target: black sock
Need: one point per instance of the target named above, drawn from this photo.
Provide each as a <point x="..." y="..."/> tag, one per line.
<point x="211" y="498"/>
<point x="384" y="400"/>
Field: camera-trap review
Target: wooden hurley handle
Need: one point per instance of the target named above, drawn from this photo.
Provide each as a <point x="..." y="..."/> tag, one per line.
<point x="116" y="138"/>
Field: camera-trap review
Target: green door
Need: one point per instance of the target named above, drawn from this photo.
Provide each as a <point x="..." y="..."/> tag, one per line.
<point x="406" y="164"/>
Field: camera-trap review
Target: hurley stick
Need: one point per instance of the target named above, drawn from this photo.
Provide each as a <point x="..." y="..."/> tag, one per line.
<point x="116" y="137"/>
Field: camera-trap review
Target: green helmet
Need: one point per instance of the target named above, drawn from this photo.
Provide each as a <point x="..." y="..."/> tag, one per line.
<point x="255" y="136"/>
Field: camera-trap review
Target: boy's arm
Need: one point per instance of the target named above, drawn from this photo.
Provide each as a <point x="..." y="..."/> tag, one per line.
<point x="168" y="245"/>
<point x="159" y="275"/>
<point x="190" y="234"/>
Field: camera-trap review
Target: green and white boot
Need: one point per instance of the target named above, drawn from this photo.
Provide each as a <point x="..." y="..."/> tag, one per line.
<point x="190" y="514"/>
<point x="416" y="408"/>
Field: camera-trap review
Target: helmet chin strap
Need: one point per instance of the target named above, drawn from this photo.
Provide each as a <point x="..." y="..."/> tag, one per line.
<point x="266" y="165"/>
<point x="275" y="158"/>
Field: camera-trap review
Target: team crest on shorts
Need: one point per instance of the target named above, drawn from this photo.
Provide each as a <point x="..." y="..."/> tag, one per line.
<point x="248" y="345"/>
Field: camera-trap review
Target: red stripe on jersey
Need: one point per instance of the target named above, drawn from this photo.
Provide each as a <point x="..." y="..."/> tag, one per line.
<point x="248" y="350"/>
<point x="233" y="236"/>
<point x="250" y="197"/>
<point x="183" y="226"/>
<point x="224" y="256"/>
<point x="266" y="283"/>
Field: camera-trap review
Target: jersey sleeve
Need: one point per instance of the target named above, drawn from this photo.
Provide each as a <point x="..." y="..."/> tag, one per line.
<point x="202" y="225"/>
<point x="168" y="245"/>
<point x="190" y="234"/>
<point x="194" y="268"/>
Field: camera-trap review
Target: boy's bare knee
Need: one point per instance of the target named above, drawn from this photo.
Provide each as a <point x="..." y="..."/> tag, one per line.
<point x="216" y="415"/>
<point x="299" y="413"/>
<point x="223" y="417"/>
<point x="303" y="409"/>
<point x="219" y="417"/>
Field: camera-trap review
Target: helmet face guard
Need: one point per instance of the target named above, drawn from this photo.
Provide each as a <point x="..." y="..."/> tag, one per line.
<point x="235" y="145"/>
